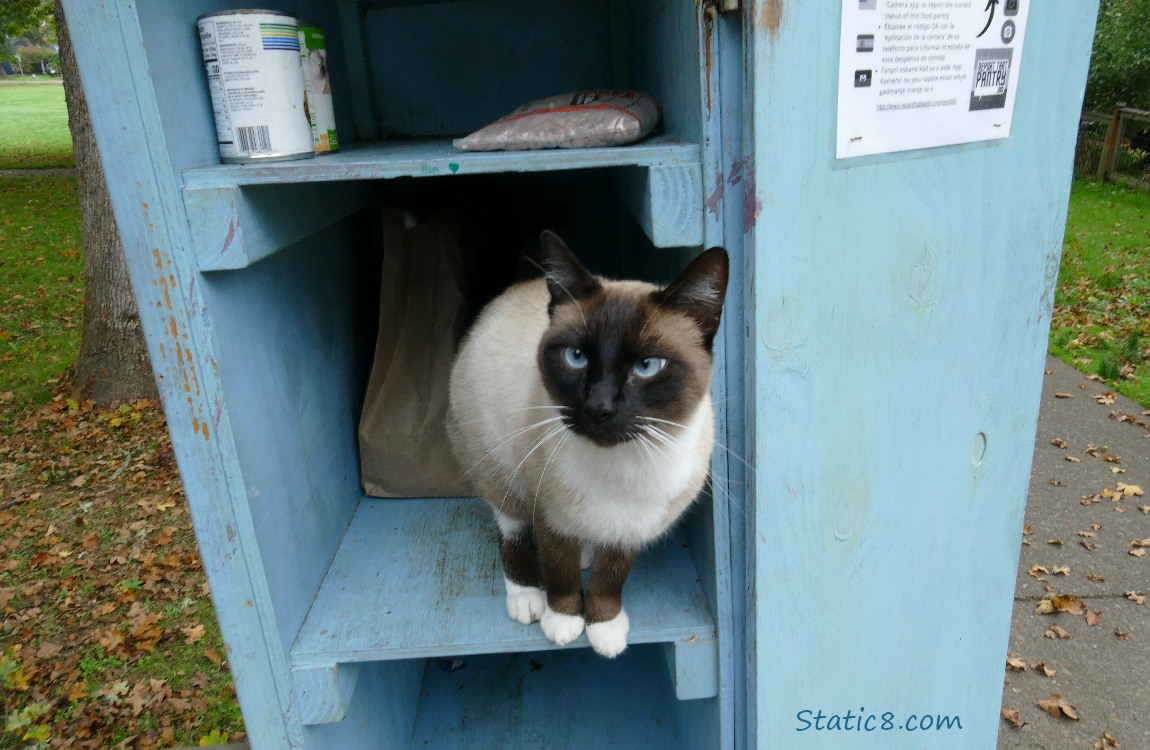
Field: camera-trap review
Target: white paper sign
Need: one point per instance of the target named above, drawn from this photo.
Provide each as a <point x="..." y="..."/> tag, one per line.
<point x="921" y="73"/>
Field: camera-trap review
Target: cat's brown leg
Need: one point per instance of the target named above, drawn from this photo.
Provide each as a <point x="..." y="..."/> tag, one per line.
<point x="521" y="578"/>
<point x="607" y="622"/>
<point x="562" y="622"/>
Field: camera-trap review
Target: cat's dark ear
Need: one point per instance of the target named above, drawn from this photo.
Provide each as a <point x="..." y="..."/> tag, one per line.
<point x="699" y="290"/>
<point x="567" y="279"/>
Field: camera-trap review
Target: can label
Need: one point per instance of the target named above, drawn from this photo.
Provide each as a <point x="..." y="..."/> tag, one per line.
<point x="317" y="88"/>
<point x="252" y="63"/>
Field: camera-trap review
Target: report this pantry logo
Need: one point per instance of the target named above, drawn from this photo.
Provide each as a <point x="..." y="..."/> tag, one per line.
<point x="991" y="74"/>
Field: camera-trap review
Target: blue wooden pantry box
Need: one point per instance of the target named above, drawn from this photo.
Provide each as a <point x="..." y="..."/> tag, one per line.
<point x="847" y="583"/>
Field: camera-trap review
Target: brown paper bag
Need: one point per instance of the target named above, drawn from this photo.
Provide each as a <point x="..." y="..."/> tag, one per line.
<point x="423" y="313"/>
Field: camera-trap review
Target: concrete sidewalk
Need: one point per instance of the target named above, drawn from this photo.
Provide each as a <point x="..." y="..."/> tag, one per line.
<point x="1079" y="537"/>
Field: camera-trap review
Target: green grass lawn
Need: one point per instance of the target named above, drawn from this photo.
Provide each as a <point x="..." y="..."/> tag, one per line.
<point x="34" y="126"/>
<point x="1101" y="322"/>
<point x="42" y="284"/>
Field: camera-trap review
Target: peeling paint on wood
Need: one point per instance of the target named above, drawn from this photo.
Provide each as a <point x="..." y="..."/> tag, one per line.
<point x="769" y="16"/>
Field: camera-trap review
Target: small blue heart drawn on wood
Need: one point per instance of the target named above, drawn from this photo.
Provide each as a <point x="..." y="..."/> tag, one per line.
<point x="454" y="167"/>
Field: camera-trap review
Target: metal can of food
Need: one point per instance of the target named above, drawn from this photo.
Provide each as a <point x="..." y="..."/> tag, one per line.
<point x="253" y="66"/>
<point x="317" y="88"/>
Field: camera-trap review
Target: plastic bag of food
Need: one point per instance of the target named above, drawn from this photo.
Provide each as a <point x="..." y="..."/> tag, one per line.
<point x="584" y="119"/>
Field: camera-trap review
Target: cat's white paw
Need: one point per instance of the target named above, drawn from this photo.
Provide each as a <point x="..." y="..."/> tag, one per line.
<point x="610" y="638"/>
<point x="525" y="604"/>
<point x="586" y="555"/>
<point x="561" y="629"/>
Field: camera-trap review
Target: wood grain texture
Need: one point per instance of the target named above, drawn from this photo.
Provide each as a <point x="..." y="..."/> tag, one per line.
<point x="233" y="227"/>
<point x="141" y="166"/>
<point x="666" y="201"/>
<point x="421" y="577"/>
<point x="900" y="314"/>
<point x="324" y="693"/>
<point x="562" y="699"/>
<point x="436" y="157"/>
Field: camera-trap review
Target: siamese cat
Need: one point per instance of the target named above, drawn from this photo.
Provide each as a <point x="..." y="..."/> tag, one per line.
<point x="581" y="408"/>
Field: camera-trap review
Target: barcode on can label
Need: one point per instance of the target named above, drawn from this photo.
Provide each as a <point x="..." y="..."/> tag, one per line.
<point x="254" y="139"/>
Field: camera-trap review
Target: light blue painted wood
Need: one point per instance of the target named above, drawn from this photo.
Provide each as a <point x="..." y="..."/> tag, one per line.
<point x="381" y="713"/>
<point x="262" y="363"/>
<point x="435" y="157"/>
<point x="664" y="57"/>
<point x="422" y="577"/>
<point x="666" y="201"/>
<point x="694" y="668"/>
<point x="562" y="699"/>
<point x="233" y="227"/>
<point x="140" y="166"/>
<point x="292" y="361"/>
<point x="899" y="319"/>
<point x="357" y="59"/>
<point x="664" y="191"/>
<point x="324" y="693"/>
<point x="451" y="68"/>
<point x="717" y="126"/>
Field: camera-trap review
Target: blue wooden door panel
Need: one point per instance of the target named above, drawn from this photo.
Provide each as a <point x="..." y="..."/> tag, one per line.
<point x="141" y="177"/>
<point x="900" y="311"/>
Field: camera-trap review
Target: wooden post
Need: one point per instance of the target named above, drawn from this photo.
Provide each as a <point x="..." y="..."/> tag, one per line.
<point x="1110" y="147"/>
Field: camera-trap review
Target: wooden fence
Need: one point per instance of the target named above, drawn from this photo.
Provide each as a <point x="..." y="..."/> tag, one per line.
<point x="1125" y="153"/>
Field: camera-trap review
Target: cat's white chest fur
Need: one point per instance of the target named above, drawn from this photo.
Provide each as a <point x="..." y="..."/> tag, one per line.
<point x="629" y="494"/>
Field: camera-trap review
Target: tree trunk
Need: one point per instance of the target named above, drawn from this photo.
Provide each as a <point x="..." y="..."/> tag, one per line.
<point x="113" y="363"/>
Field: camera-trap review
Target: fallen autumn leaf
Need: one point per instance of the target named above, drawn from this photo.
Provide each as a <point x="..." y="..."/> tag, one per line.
<point x="1106" y="743"/>
<point x="1013" y="717"/>
<point x="1060" y="603"/>
<point x="1057" y="707"/>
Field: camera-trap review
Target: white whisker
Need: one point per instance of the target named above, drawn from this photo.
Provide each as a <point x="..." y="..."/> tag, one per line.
<point x="655" y="432"/>
<point x="645" y="443"/>
<point x="512" y="436"/>
<point x="718" y="444"/>
<point x="554" y="407"/>
<point x="550" y="434"/>
<point x="543" y="473"/>
<point x="668" y="441"/>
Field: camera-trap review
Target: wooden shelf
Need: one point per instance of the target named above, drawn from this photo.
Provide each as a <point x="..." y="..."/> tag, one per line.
<point x="421" y="578"/>
<point x="241" y="213"/>
<point x="436" y="157"/>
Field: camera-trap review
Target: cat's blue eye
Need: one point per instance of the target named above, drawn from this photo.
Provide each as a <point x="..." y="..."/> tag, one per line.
<point x="649" y="366"/>
<point x="574" y="357"/>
